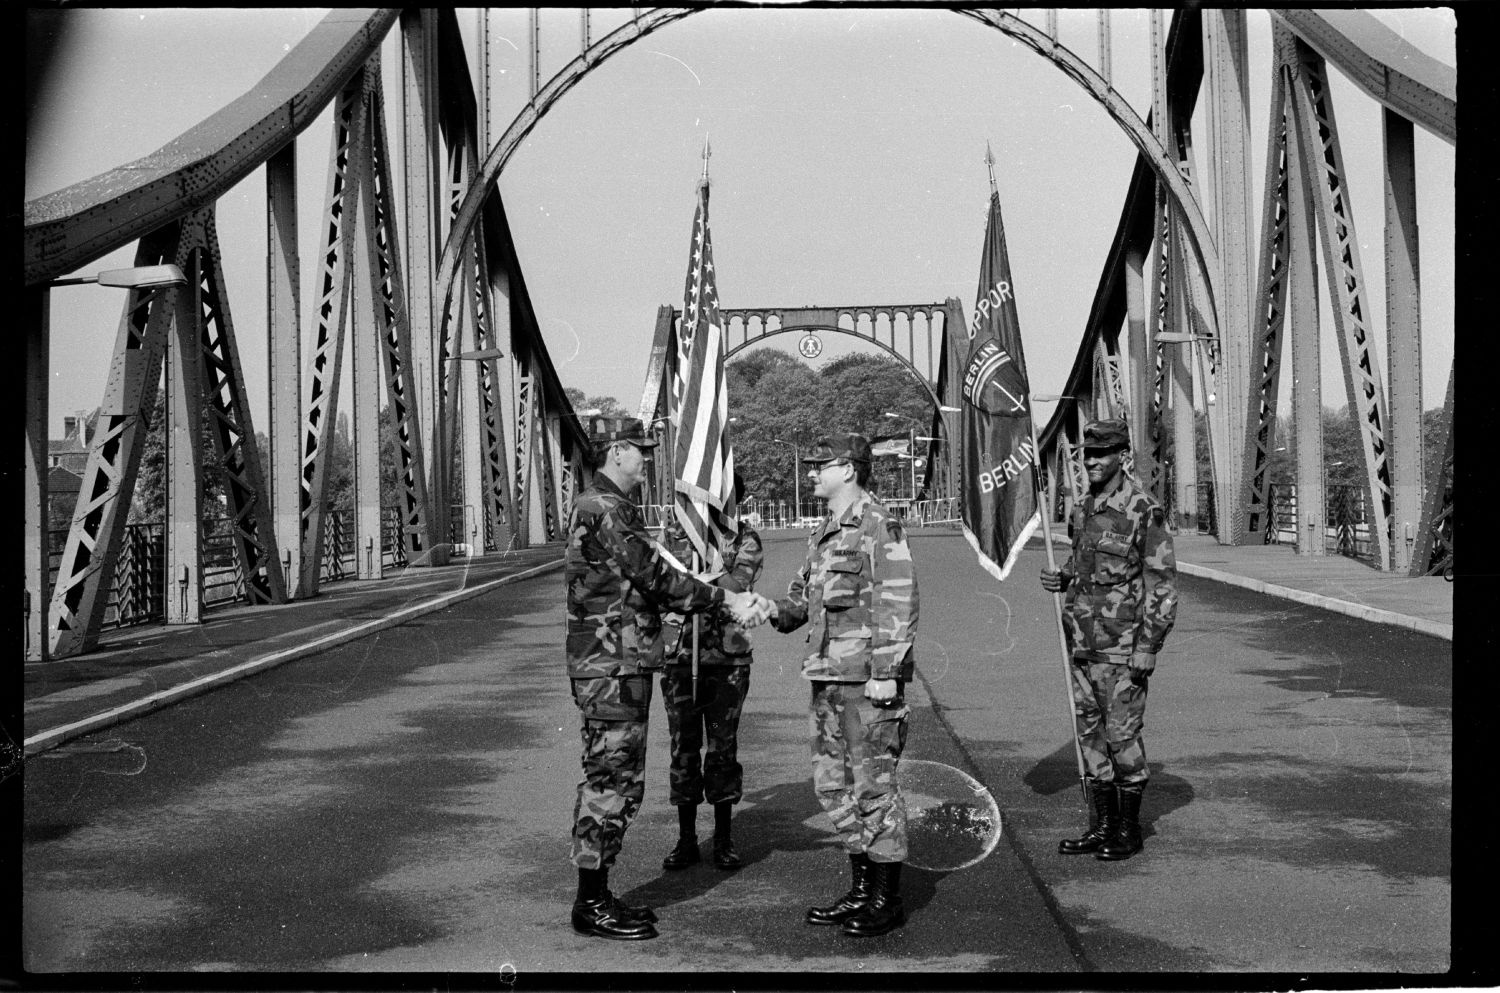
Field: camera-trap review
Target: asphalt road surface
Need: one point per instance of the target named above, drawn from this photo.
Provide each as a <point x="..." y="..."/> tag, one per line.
<point x="403" y="804"/>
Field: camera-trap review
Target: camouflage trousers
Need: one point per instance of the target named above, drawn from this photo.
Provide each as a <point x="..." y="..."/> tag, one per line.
<point x="1109" y="709"/>
<point x="856" y="746"/>
<point x="717" y="774"/>
<point x="615" y="712"/>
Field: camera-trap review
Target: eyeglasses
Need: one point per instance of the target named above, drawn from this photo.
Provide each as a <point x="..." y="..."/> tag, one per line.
<point x="820" y="466"/>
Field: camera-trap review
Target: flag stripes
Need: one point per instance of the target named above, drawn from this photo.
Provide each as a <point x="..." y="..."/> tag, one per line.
<point x="703" y="461"/>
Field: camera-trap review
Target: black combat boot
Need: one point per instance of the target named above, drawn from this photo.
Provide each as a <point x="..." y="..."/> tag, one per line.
<point x="685" y="852"/>
<point x="1126" y="839"/>
<point x="850" y="903"/>
<point x="725" y="857"/>
<point x="885" y="912"/>
<point x="1102" y="823"/>
<point x="597" y="913"/>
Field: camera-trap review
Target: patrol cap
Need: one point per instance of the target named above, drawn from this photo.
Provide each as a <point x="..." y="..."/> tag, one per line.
<point x="607" y="430"/>
<point x="852" y="447"/>
<point x="1109" y="433"/>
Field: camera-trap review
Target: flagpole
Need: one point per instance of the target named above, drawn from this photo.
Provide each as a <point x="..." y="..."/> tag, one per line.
<point x="697" y="567"/>
<point x="1062" y="638"/>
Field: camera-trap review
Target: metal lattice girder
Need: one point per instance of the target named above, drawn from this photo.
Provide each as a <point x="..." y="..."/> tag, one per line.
<point x="236" y="450"/>
<point x="1318" y="144"/>
<point x="1434" y="546"/>
<point x="1161" y="320"/>
<point x="350" y="140"/>
<point x="81" y="592"/>
<point x="1266" y="340"/>
<point x="525" y="427"/>
<point x="381" y="261"/>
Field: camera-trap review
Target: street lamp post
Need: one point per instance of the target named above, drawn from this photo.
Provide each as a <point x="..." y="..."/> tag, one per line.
<point x="796" y="480"/>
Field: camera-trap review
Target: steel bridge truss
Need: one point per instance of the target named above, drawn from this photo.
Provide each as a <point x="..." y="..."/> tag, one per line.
<point x="426" y="282"/>
<point x="473" y="387"/>
<point x="1232" y="364"/>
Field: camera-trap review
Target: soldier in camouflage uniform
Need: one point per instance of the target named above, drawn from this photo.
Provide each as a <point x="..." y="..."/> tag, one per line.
<point x="618" y="584"/>
<point x="1121" y="584"/>
<point x="858" y="590"/>
<point x="723" y="681"/>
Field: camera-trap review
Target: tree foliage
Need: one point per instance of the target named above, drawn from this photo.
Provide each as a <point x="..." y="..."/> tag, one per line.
<point x="777" y="402"/>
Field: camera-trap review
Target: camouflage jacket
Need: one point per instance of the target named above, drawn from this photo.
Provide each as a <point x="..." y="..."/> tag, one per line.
<point x="1122" y="575"/>
<point x="721" y="641"/>
<point x="858" y="588"/>
<point x="618" y="586"/>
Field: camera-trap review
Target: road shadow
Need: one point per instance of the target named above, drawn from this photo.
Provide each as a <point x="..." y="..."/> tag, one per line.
<point x="1058" y="772"/>
<point x="772" y="821"/>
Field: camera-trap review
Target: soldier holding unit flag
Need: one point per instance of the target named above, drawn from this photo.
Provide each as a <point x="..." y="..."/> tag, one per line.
<point x="1121" y="584"/>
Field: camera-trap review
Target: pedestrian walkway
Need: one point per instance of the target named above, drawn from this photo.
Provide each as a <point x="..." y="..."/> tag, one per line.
<point x="136" y="670"/>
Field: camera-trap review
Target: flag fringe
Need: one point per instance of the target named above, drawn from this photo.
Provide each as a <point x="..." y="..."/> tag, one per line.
<point x="1001" y="571"/>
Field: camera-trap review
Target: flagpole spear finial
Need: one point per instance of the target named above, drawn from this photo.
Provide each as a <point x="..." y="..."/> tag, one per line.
<point x="706" y="153"/>
<point x="989" y="159"/>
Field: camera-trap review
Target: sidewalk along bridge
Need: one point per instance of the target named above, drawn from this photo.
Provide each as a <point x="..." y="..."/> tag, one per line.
<point x="421" y="282"/>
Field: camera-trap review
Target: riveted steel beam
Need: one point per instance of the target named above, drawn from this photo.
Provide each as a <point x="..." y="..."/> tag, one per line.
<point x="236" y="452"/>
<point x="1402" y="77"/>
<point x="1433" y="552"/>
<point x="1403" y="323"/>
<point x="380" y="262"/>
<point x="38" y="338"/>
<point x="1318" y="142"/>
<point x="80" y="593"/>
<point x="348" y="156"/>
<point x="284" y="359"/>
<point x="1270" y="331"/>
<point x="68" y="228"/>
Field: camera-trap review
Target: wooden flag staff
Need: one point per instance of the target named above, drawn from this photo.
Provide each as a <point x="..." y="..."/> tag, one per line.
<point x="1062" y="638"/>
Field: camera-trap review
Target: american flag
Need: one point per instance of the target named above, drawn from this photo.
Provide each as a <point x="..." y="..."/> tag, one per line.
<point x="703" y="462"/>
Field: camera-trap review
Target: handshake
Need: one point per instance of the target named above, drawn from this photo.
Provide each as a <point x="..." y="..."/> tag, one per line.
<point x="749" y="609"/>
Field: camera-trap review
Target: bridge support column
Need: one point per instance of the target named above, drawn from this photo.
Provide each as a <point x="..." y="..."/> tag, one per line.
<point x="507" y="423"/>
<point x="1180" y="375"/>
<point x="183" y="413"/>
<point x="419" y="37"/>
<point x="1141" y="366"/>
<point x="284" y="360"/>
<point x="1404" y="337"/>
<point x="369" y="523"/>
<point x="1226" y="70"/>
<point x="38" y="539"/>
<point x="1307" y="383"/>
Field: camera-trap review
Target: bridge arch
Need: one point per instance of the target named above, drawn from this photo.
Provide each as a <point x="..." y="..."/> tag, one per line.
<point x="868" y="339"/>
<point x="1199" y="240"/>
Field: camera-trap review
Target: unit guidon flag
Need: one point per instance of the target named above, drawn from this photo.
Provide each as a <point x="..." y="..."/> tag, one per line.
<point x="1000" y="508"/>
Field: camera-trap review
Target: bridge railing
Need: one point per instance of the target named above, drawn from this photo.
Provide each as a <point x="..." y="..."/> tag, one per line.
<point x="138" y="593"/>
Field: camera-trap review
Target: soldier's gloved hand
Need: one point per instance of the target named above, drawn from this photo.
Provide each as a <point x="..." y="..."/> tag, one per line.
<point x="1053" y="581"/>
<point x="1143" y="662"/>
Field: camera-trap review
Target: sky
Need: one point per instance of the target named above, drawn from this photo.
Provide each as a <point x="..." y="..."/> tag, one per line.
<point x="847" y="168"/>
